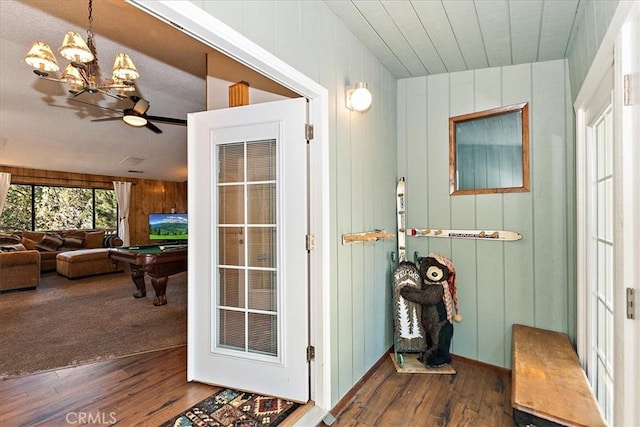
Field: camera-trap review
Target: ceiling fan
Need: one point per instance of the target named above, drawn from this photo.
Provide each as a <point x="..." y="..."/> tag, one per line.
<point x="136" y="115"/>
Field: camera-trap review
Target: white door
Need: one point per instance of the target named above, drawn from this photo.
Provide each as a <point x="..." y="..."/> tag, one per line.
<point x="248" y="263"/>
<point x="600" y="245"/>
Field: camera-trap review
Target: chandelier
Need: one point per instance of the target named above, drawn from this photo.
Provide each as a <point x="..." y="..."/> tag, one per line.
<point x="82" y="73"/>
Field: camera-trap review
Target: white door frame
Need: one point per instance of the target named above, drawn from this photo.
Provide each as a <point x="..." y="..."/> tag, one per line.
<point x="194" y="21"/>
<point x="626" y="236"/>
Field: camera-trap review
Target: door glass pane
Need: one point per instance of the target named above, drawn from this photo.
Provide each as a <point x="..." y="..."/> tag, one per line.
<point x="261" y="243"/>
<point x="231" y="326"/>
<point x="261" y="160"/>
<point x="261" y="204"/>
<point x="231" y="163"/>
<point x="247" y="234"/>
<point x="231" y="287"/>
<point x="231" y="249"/>
<point x="231" y="201"/>
<point x="262" y="290"/>
<point x="601" y="286"/>
<point x="263" y="333"/>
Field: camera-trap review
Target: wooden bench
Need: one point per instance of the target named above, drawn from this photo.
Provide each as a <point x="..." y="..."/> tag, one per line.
<point x="549" y="386"/>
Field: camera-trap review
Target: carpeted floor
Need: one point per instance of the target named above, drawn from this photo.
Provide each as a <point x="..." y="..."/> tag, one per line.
<point x="231" y="408"/>
<point x="70" y="322"/>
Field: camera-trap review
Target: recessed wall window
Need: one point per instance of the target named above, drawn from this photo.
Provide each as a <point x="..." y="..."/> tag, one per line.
<point x="489" y="151"/>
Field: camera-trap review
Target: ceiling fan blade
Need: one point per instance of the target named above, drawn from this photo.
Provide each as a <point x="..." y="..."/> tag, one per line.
<point x="107" y="119"/>
<point x="153" y="127"/>
<point x="167" y="120"/>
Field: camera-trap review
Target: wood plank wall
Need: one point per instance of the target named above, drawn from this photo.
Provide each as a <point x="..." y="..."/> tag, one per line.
<point x="147" y="196"/>
<point x="531" y="281"/>
<point x="593" y="19"/>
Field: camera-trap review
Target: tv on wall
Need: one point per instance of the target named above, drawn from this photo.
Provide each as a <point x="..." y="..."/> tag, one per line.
<point x="168" y="226"/>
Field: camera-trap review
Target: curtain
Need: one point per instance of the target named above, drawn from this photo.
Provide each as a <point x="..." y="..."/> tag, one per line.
<point x="123" y="194"/>
<point x="5" y="181"/>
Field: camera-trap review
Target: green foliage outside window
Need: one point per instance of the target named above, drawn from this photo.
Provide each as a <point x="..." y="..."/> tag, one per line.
<point x="106" y="209"/>
<point x="58" y="208"/>
<point x="17" y="209"/>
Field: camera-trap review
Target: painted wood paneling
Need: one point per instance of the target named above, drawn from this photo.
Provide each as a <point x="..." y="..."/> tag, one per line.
<point x="499" y="283"/>
<point x="593" y="20"/>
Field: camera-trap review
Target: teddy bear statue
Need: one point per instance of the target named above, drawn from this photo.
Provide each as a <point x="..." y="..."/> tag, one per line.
<point x="438" y="299"/>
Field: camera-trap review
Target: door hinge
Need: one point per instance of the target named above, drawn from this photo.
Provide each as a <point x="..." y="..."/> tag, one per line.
<point x="631" y="303"/>
<point x="310" y="241"/>
<point x="308" y="132"/>
<point x="311" y="353"/>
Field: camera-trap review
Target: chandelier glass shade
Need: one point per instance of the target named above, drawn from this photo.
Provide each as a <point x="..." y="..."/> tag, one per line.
<point x="82" y="72"/>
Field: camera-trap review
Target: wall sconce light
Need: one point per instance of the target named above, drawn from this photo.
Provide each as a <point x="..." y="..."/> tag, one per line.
<point x="358" y="97"/>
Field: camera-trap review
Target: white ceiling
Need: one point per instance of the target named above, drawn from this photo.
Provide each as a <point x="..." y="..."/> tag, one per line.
<point x="40" y="128"/>
<point x="422" y="37"/>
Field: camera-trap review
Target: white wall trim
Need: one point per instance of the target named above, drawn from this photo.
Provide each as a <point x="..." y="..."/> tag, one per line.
<point x="604" y="56"/>
<point x="195" y="22"/>
<point x="626" y="222"/>
<point x="627" y="247"/>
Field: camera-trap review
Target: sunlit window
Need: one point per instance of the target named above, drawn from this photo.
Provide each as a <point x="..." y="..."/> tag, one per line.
<point x="39" y="207"/>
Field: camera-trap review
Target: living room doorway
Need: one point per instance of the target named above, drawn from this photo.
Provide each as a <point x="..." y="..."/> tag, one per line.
<point x="194" y="21"/>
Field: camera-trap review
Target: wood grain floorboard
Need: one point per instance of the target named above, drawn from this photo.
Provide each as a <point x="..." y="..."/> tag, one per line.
<point x="145" y="389"/>
<point x="151" y="388"/>
<point x="477" y="395"/>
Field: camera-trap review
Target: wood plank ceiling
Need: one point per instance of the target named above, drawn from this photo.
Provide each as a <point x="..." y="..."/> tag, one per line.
<point x="421" y="37"/>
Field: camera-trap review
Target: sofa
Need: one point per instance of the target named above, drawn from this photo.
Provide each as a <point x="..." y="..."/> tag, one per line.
<point x="52" y="243"/>
<point x="19" y="267"/>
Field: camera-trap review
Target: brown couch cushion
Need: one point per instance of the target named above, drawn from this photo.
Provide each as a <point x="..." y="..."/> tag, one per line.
<point x="93" y="239"/>
<point x="18" y="247"/>
<point x="49" y="243"/>
<point x="9" y="239"/>
<point x="36" y="236"/>
<point x="72" y="242"/>
<point x="29" y="244"/>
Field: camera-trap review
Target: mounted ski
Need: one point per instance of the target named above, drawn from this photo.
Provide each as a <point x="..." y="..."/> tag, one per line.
<point x="400" y="211"/>
<point x="466" y="234"/>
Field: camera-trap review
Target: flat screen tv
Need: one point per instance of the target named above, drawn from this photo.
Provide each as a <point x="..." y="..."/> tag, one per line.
<point x="168" y="226"/>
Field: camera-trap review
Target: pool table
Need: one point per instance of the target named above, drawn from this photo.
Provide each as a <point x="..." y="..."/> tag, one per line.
<point x="157" y="261"/>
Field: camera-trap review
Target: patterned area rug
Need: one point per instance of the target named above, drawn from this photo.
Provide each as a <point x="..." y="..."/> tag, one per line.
<point x="235" y="408"/>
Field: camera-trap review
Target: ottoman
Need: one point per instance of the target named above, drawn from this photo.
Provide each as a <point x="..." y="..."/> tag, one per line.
<point x="86" y="262"/>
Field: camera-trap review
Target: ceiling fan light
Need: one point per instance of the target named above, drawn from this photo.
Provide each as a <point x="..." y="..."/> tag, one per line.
<point x="75" y="49"/>
<point x="124" y="69"/>
<point x="133" y="119"/>
<point x="41" y="58"/>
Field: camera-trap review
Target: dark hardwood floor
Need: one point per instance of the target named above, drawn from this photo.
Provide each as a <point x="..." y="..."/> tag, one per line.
<point x="149" y="389"/>
<point x="477" y="395"/>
